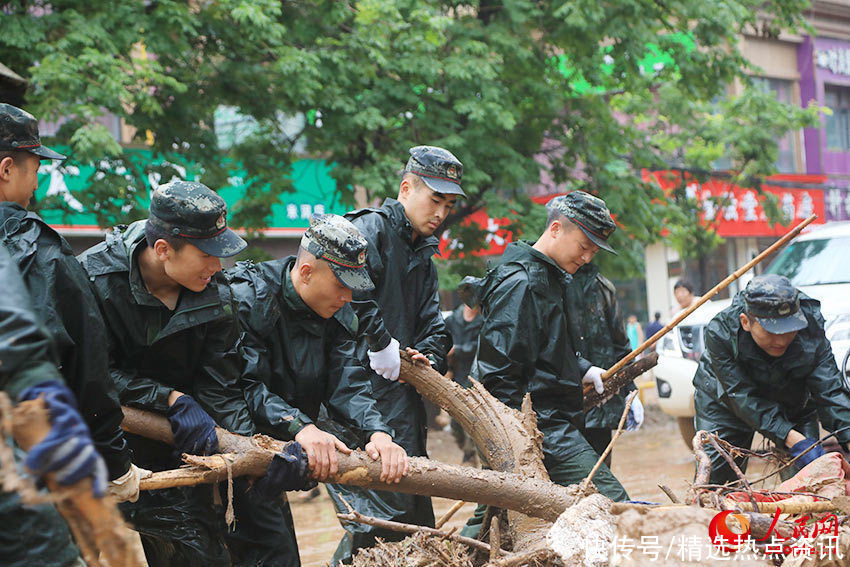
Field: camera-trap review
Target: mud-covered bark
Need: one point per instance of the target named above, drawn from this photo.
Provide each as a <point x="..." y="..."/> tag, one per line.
<point x="508" y="439"/>
<point x="99" y="530"/>
<point x="618" y="380"/>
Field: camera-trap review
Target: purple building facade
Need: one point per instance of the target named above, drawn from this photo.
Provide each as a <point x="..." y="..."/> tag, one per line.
<point x="824" y="66"/>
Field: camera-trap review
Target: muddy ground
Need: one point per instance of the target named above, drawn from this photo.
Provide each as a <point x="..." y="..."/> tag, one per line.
<point x="641" y="460"/>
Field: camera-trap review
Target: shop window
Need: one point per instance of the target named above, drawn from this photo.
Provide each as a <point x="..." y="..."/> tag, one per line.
<point x="781" y="88"/>
<point x="111" y="121"/>
<point x="232" y="127"/>
<point x="838" y="124"/>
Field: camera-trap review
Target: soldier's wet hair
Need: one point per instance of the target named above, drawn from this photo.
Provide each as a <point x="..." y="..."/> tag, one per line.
<point x="303" y="255"/>
<point x="16" y="155"/>
<point x="685" y="284"/>
<point x="556" y="215"/>
<point x="414" y="180"/>
<point x="152" y="234"/>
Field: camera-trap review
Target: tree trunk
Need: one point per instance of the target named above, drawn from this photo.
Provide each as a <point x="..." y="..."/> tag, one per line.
<point x="250" y="456"/>
<point x="508" y="439"/>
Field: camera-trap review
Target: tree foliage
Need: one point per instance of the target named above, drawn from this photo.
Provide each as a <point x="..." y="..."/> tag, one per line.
<point x="507" y="85"/>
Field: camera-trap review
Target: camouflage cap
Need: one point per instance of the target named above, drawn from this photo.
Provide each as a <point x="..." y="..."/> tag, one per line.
<point x="19" y="132"/>
<point x="191" y="210"/>
<point x="775" y="303"/>
<point x="334" y="239"/>
<point x="589" y="213"/>
<point x="439" y="169"/>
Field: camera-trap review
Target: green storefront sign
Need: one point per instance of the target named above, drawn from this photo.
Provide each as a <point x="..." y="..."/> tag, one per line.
<point x="315" y="192"/>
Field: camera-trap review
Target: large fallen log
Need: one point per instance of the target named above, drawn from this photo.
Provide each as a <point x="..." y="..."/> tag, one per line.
<point x="508" y="440"/>
<point x="250" y="456"/>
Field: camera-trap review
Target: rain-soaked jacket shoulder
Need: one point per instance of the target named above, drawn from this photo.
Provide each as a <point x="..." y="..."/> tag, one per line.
<point x="26" y="358"/>
<point x="153" y="350"/>
<point x="769" y="394"/>
<point x="525" y="345"/>
<point x="63" y="301"/>
<point x="296" y="361"/>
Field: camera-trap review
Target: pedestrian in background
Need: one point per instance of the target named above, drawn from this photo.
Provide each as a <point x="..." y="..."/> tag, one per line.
<point x="634" y="331"/>
<point x="464" y="324"/>
<point x="683" y="290"/>
<point x="655" y="325"/>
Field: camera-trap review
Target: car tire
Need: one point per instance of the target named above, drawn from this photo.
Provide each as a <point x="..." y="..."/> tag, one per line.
<point x="686" y="428"/>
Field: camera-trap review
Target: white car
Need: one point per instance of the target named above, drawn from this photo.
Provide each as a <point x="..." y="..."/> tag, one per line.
<point x="818" y="263"/>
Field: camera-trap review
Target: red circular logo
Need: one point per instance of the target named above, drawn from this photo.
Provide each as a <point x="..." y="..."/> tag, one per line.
<point x="722" y="535"/>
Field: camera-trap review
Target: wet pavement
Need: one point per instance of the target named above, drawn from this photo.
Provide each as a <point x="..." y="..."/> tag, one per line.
<point x="641" y="460"/>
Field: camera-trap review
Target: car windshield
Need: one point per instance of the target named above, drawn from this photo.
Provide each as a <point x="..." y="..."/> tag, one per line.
<point x="814" y="262"/>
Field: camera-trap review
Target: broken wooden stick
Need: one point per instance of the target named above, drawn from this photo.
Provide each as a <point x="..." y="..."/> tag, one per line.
<point x="839" y="503"/>
<point x="712" y="438"/>
<point x="703" y="471"/>
<point x="357" y="517"/>
<point x="250" y="456"/>
<point x="494" y="538"/>
<point x="448" y="515"/>
<point x="586" y="482"/>
<point x="535" y="557"/>
<point x="99" y="530"/>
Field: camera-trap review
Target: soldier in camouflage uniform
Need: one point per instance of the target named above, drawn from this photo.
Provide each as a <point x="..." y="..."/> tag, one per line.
<point x="299" y="347"/>
<point x="599" y="337"/>
<point x="768" y="367"/>
<point x="173" y="349"/>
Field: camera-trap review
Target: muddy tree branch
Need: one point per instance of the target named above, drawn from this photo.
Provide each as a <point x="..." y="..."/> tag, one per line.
<point x="99" y="530"/>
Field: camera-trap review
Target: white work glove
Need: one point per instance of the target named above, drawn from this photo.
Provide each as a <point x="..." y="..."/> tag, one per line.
<point x="635" y="418"/>
<point x="594" y="376"/>
<point x="387" y="361"/>
<point x="125" y="488"/>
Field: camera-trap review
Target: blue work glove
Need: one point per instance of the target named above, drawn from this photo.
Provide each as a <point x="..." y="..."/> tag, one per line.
<point x="289" y="470"/>
<point x="193" y="428"/>
<point x="801" y="446"/>
<point x="68" y="451"/>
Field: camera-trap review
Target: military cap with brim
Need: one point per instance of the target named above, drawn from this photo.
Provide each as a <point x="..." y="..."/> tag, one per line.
<point x="336" y="240"/>
<point x="775" y="303"/>
<point x="589" y="213"/>
<point x="19" y="132"/>
<point x="191" y="210"/>
<point x="439" y="169"/>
